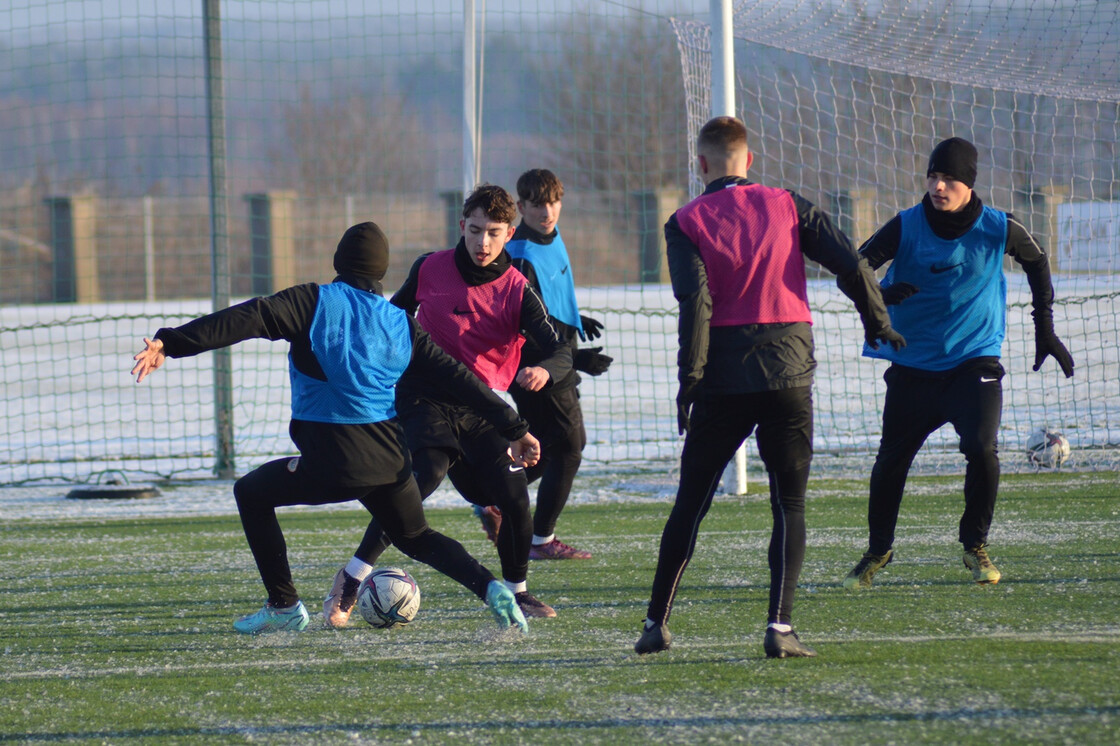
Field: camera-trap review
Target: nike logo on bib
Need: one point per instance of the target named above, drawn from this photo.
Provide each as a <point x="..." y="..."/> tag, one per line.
<point x="457" y="312"/>
<point x="938" y="270"/>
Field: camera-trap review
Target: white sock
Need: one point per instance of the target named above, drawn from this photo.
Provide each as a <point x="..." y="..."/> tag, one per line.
<point x="358" y="569"/>
<point x="538" y="540"/>
<point x="778" y="627"/>
<point x="516" y="587"/>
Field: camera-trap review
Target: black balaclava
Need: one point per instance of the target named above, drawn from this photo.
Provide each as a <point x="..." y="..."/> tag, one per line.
<point x="362" y="256"/>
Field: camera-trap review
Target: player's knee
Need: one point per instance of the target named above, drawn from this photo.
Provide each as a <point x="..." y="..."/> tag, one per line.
<point x="975" y="448"/>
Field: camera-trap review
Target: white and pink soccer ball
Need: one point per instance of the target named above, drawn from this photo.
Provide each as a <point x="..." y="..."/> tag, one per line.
<point x="1047" y="449"/>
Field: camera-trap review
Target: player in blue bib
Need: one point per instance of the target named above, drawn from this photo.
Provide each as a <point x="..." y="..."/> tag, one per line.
<point x="947" y="294"/>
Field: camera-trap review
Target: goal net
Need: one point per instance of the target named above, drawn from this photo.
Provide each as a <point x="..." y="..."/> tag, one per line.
<point x="843" y="102"/>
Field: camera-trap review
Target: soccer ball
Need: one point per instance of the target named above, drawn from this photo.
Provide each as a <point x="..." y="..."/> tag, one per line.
<point x="388" y="597"/>
<point x="1047" y="449"/>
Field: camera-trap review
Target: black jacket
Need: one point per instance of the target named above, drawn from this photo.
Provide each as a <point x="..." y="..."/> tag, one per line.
<point x="343" y="455"/>
<point x="761" y="357"/>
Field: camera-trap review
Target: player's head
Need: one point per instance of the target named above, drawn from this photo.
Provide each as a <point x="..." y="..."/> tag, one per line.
<point x="487" y="224"/>
<point x="539" y="195"/>
<point x="951" y="174"/>
<point x="362" y="255"/>
<point x="721" y="149"/>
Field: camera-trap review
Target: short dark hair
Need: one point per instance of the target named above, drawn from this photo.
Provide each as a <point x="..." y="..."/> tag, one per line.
<point x="721" y="135"/>
<point x="494" y="202"/>
<point x="539" y="186"/>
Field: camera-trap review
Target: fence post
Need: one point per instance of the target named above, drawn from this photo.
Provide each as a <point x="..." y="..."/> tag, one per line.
<point x="73" y="222"/>
<point x="453" y="213"/>
<point x="272" y="259"/>
<point x="854" y="213"/>
<point x="1037" y="208"/>
<point x="654" y="208"/>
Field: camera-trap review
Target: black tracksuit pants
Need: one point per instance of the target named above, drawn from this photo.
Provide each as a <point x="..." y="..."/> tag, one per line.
<point x="556" y="419"/>
<point x="783" y="425"/>
<point x="481" y="470"/>
<point x="917" y="403"/>
<point x="396" y="507"/>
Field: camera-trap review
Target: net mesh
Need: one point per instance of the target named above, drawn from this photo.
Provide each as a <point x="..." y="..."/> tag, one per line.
<point x="338" y="112"/>
<point x="844" y="101"/>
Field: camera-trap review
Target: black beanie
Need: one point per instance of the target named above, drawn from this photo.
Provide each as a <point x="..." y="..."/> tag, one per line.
<point x="954" y="157"/>
<point x="363" y="251"/>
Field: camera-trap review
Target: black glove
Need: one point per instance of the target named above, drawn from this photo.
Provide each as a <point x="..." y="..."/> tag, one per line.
<point x="591" y="360"/>
<point x="686" y="395"/>
<point x="1046" y="343"/>
<point x="888" y="335"/>
<point x="592" y="329"/>
<point x="898" y="292"/>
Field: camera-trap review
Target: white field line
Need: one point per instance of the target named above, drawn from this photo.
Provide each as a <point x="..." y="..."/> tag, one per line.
<point x="490" y="652"/>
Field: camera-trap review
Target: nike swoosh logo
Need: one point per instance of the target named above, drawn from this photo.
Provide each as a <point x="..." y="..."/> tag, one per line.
<point x="515" y="469"/>
<point x="988" y="380"/>
<point x="564" y="271"/>
<point x="938" y="270"/>
<point x="457" y="312"/>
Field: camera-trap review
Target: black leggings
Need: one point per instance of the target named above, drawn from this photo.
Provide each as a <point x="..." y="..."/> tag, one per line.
<point x="396" y="507"/>
<point x="784" y="422"/>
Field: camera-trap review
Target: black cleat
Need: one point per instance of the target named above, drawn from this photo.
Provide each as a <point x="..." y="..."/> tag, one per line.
<point x="785" y="645"/>
<point x="653" y="640"/>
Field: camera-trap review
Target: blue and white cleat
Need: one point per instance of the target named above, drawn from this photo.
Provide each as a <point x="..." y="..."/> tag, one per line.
<point x="503" y="604"/>
<point x="272" y="619"/>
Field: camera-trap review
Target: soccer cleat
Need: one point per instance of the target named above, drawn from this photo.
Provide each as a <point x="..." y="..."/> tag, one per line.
<point x="865" y="569"/>
<point x="532" y="606"/>
<point x="272" y="619"/>
<point x="503" y="604"/>
<point x="785" y="645"/>
<point x="339" y="603"/>
<point x="653" y="640"/>
<point x="977" y="560"/>
<point x="491" y="519"/>
<point x="557" y="549"/>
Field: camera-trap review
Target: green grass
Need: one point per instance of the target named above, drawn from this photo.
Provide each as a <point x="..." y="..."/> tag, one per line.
<point x="119" y="632"/>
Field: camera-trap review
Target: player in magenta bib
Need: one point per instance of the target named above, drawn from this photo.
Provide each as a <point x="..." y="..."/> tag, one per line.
<point x="736" y="259"/>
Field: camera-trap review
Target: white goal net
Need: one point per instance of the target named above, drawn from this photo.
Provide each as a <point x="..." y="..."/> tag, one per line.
<point x="843" y="102"/>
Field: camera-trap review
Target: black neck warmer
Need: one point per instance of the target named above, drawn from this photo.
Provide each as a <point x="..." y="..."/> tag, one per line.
<point x="475" y="275"/>
<point x="532" y="234"/>
<point x="950" y="225"/>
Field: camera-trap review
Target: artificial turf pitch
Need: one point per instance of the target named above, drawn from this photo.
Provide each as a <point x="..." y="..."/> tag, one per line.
<point x="119" y="632"/>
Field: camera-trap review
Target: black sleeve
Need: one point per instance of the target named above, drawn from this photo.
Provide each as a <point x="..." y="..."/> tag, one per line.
<point x="690" y="287"/>
<point x="405" y="297"/>
<point x="285" y="315"/>
<point x="1022" y="247"/>
<point x="556" y="353"/>
<point x="883" y="245"/>
<point x="433" y="364"/>
<point x="827" y="245"/>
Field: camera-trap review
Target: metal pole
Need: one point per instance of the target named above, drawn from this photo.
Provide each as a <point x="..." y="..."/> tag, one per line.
<point x="149" y="252"/>
<point x="723" y="104"/>
<point x="470" y="93"/>
<point x="219" y="234"/>
<point x="723" y="59"/>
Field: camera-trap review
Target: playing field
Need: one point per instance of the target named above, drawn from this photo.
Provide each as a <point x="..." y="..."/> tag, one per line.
<point x="117" y="630"/>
